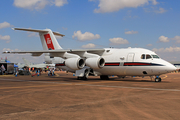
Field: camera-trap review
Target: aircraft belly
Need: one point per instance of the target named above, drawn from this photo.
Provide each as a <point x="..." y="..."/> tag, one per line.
<point x="138" y="71"/>
<point x="126" y="70"/>
<point x="115" y="70"/>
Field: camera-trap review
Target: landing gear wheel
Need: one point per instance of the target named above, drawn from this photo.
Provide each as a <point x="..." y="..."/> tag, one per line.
<point x="86" y="74"/>
<point x="158" y="79"/>
<point x="104" y="77"/>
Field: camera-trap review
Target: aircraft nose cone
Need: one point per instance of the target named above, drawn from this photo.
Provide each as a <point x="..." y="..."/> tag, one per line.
<point x="171" y="68"/>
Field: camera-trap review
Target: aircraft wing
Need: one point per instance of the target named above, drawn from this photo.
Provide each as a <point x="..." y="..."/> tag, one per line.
<point x="64" y="53"/>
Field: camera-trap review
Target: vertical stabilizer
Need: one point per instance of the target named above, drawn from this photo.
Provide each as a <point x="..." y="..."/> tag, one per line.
<point x="27" y="63"/>
<point x="47" y="37"/>
<point x="49" y="41"/>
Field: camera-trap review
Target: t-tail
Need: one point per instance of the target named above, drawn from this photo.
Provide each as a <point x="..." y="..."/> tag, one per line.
<point x="27" y="63"/>
<point x="48" y="39"/>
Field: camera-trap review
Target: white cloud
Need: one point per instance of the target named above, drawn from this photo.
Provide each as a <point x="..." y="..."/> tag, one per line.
<point x="60" y="2"/>
<point x="149" y="45"/>
<point x="5" y="25"/>
<point x="64" y="28"/>
<point x="177" y="38"/>
<point x="131" y="32"/>
<point x="85" y="36"/>
<point x="38" y="4"/>
<point x="163" y="39"/>
<point x="170" y="49"/>
<point x="90" y="45"/>
<point x="118" y="41"/>
<point x="155" y="10"/>
<point x="160" y="10"/>
<point x="116" y="5"/>
<point x="154" y="2"/>
<point x="6" y="37"/>
<point x="31" y="4"/>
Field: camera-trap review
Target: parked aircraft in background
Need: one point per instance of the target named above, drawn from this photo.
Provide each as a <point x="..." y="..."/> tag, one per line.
<point x="102" y="62"/>
<point x="31" y="65"/>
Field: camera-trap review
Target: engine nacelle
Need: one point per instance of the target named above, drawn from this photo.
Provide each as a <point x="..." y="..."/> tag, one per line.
<point x="95" y="62"/>
<point x="75" y="63"/>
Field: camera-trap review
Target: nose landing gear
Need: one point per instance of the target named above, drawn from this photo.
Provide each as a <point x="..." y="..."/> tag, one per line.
<point x="157" y="79"/>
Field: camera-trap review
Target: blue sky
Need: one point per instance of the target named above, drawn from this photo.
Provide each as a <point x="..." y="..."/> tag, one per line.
<point x="150" y="24"/>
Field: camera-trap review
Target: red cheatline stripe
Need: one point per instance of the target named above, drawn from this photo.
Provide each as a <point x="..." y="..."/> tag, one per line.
<point x="112" y="64"/>
<point x="131" y="64"/>
<point x="60" y="64"/>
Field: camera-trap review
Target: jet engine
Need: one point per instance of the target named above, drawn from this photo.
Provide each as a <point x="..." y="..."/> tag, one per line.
<point x="95" y="62"/>
<point x="75" y="63"/>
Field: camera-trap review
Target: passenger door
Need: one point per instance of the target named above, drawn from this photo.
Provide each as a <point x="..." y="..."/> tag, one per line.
<point x="130" y="57"/>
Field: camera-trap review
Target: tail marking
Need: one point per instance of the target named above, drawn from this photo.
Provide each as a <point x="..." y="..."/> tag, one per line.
<point x="49" y="42"/>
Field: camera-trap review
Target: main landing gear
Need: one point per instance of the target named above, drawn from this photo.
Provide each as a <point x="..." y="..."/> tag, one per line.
<point x="85" y="76"/>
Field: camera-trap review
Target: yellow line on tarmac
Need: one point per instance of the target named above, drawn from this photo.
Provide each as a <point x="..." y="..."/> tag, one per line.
<point x="56" y="75"/>
<point x="7" y="75"/>
<point x="164" y="77"/>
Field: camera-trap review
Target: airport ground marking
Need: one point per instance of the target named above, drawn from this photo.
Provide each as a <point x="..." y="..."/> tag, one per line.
<point x="92" y="85"/>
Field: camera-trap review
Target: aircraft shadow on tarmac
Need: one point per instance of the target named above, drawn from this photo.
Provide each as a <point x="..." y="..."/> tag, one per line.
<point x="74" y="79"/>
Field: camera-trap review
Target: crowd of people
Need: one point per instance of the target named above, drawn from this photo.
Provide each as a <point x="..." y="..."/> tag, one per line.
<point x="34" y="71"/>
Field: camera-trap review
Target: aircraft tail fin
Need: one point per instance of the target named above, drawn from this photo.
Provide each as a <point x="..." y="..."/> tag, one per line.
<point x="26" y="62"/>
<point x="47" y="37"/>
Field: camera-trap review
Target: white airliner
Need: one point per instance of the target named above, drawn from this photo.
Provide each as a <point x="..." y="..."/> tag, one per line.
<point x="101" y="62"/>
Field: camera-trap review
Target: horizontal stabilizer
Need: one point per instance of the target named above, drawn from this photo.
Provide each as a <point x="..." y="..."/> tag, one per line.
<point x="36" y="30"/>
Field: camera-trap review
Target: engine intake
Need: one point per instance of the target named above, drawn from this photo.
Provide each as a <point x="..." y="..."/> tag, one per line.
<point x="75" y="63"/>
<point x="95" y="63"/>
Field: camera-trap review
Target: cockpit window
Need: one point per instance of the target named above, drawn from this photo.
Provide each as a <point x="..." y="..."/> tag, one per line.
<point x="143" y="56"/>
<point x="148" y="56"/>
<point x="155" y="56"/>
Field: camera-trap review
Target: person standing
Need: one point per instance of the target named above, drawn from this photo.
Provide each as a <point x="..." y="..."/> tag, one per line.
<point x="3" y="69"/>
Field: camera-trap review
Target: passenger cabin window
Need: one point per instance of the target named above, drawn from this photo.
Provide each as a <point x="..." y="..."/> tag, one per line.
<point x="148" y="56"/>
<point x="143" y="56"/>
<point x="155" y="56"/>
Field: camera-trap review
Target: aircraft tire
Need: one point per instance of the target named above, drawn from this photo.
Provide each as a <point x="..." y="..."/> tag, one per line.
<point x="157" y="79"/>
<point x="86" y="74"/>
